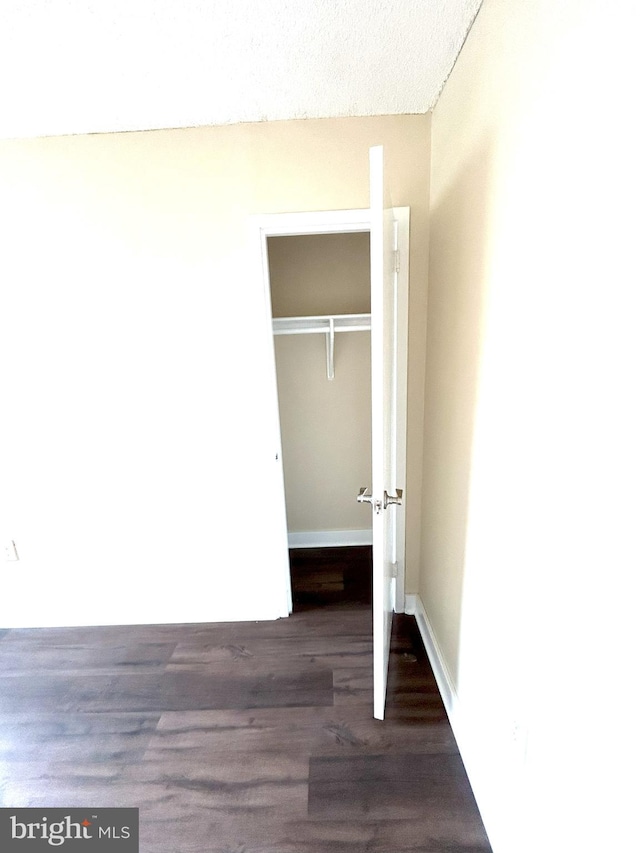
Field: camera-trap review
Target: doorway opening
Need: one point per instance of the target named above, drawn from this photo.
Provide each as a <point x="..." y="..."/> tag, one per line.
<point x="320" y="288"/>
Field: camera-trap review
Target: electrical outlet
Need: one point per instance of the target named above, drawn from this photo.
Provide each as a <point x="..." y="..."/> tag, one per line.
<point x="10" y="551"/>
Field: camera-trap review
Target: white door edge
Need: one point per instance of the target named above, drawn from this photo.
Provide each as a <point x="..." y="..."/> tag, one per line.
<point x="402" y="217"/>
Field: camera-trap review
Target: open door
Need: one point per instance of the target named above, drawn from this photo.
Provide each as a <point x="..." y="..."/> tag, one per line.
<point x="389" y="234"/>
<point x="384" y="497"/>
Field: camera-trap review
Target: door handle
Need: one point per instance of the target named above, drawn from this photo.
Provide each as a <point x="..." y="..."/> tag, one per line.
<point x="364" y="498"/>
<point x="392" y="499"/>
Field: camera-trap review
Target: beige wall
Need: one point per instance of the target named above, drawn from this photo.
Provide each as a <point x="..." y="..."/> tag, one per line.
<point x="531" y="444"/>
<point x="326" y="430"/>
<point x="135" y="356"/>
<point x="320" y="274"/>
<point x="326" y="425"/>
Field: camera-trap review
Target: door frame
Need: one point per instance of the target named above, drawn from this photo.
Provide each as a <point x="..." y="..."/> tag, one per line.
<point x="351" y="221"/>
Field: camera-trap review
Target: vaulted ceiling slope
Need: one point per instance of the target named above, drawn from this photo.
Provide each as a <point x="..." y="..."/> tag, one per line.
<point x="85" y="66"/>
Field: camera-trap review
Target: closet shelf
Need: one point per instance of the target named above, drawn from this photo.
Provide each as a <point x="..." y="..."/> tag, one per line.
<point x="327" y="325"/>
<point x="321" y="324"/>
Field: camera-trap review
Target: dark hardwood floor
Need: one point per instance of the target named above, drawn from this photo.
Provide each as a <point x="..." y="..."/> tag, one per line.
<point x="241" y="737"/>
<point x="330" y="576"/>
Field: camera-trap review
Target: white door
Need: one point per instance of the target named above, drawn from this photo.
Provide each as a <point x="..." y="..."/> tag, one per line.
<point x="384" y="496"/>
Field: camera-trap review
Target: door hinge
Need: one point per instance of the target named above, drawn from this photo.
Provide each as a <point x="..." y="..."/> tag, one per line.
<point x="394" y="570"/>
<point x="397" y="260"/>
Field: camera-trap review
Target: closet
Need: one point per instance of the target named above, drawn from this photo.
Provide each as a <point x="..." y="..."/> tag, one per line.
<point x="320" y="303"/>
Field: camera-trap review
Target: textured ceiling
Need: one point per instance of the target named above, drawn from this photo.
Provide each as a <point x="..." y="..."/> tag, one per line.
<point x="82" y="66"/>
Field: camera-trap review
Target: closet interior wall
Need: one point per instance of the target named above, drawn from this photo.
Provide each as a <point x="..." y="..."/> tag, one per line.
<point x="325" y="424"/>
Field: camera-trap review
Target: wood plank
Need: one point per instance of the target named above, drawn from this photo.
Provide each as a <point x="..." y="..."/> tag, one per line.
<point x="169" y="691"/>
<point x="78" y="738"/>
<point x="31" y="655"/>
<point x="391" y="786"/>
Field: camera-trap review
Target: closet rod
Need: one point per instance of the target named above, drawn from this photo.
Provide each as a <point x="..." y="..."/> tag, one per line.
<point x="325" y="324"/>
<point x="321" y="324"/>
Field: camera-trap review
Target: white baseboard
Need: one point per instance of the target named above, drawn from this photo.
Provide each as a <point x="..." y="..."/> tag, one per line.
<point x="463" y="730"/>
<point x="329" y="538"/>
<point x="415" y="607"/>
